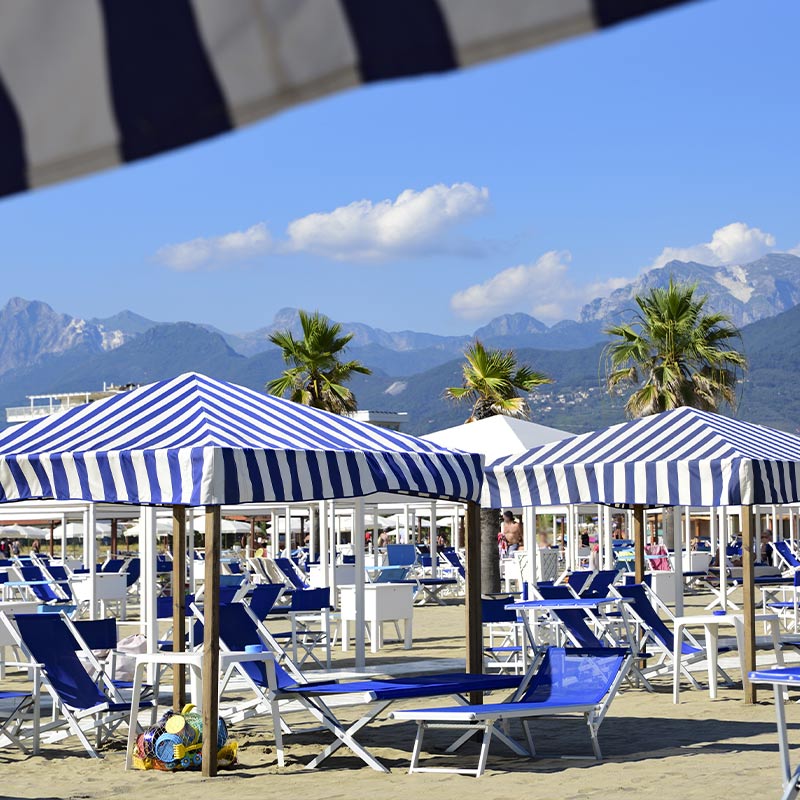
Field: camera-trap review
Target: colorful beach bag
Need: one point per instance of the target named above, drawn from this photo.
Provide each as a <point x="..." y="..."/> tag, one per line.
<point x="175" y="743"/>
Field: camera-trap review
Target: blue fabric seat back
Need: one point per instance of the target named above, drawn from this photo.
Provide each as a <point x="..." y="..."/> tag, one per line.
<point x="164" y="606"/>
<point x="263" y="597"/>
<point x="227" y="593"/>
<point x="574" y="676"/>
<point x="786" y="551"/>
<point x="452" y="557"/>
<point x="401" y="555"/>
<point x="494" y="610"/>
<point x="391" y="575"/>
<point x="425" y="560"/>
<point x="600" y="584"/>
<point x="577" y="623"/>
<point x="60" y="574"/>
<point x="99" y="634"/>
<point x="237" y="630"/>
<point x="550" y="592"/>
<point x="578" y="579"/>
<point x="113" y="565"/>
<point x="348" y="559"/>
<point x="311" y="599"/>
<point x="133" y="571"/>
<point x="43" y="592"/>
<point x="52" y="644"/>
<point x="235" y="567"/>
<point x="643" y="608"/>
<point x="287" y="568"/>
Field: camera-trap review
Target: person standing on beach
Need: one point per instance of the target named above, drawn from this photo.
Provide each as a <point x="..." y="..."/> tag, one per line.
<point x="511" y="531"/>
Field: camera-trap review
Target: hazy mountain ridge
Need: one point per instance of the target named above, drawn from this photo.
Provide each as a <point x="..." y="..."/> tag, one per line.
<point x="576" y="401"/>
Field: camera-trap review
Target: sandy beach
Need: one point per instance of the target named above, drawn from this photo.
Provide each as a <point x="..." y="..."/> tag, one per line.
<point x="697" y="749"/>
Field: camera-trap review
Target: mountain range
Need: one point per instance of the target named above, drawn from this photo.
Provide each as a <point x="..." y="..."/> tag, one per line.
<point x="43" y="351"/>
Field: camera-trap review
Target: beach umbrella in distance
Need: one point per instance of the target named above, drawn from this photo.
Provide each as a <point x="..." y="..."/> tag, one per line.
<point x="155" y="76"/>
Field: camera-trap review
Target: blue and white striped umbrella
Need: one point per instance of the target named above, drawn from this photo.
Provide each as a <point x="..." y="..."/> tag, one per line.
<point x="683" y="457"/>
<point x="89" y="84"/>
<point x="196" y="441"/>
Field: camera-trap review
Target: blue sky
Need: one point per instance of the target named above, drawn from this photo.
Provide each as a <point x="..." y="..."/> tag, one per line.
<point x="531" y="184"/>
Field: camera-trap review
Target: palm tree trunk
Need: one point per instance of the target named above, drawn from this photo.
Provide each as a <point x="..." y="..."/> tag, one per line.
<point x="490" y="555"/>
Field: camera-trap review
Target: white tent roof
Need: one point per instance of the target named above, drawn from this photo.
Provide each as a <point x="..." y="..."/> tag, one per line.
<point x="498" y="436"/>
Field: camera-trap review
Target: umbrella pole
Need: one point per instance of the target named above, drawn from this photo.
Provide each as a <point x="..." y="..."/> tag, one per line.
<point x="114" y="538"/>
<point x="178" y="603"/>
<point x="748" y="607"/>
<point x="472" y="545"/>
<point x="52" y="543"/>
<point x="211" y="641"/>
<point x="638" y="542"/>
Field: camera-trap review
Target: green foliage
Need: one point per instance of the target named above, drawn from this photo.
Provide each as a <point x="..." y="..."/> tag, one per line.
<point x="492" y="380"/>
<point x="316" y="375"/>
<point x="674" y="354"/>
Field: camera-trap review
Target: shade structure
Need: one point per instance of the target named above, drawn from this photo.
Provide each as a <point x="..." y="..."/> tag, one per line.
<point x="129" y="80"/>
<point x="682" y="457"/>
<point x="196" y="441"/>
<point x="497" y="436"/>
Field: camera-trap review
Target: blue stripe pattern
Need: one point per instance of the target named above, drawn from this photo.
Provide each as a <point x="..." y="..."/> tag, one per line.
<point x="197" y="441"/>
<point x="683" y="457"/>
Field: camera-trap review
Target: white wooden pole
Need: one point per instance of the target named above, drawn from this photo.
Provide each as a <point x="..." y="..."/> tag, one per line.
<point x="723" y="556"/>
<point x="64" y="550"/>
<point x="90" y="537"/>
<point x="678" y="541"/>
<point x="406" y="536"/>
<point x="600" y="532"/>
<point x="360" y="581"/>
<point x="332" y="553"/>
<point x="434" y="544"/>
<point x="775" y="521"/>
<point x="312" y="540"/>
<point x="148" y="525"/>
<point x="324" y="550"/>
<point x="531" y="548"/>
<point x="608" y="559"/>
<point x="713" y="528"/>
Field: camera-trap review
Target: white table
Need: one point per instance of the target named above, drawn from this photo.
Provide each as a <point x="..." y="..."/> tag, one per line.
<point x="108" y="586"/>
<point x="711" y="624"/>
<point x="383" y="602"/>
<point x="193" y="660"/>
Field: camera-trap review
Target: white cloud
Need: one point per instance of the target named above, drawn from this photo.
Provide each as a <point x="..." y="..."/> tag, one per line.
<point x="795" y="251"/>
<point x="736" y="243"/>
<point x="544" y="289"/>
<point x="415" y="224"/>
<point x="215" y="251"/>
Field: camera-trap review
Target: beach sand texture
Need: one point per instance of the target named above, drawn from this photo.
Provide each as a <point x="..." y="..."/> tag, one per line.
<point x="652" y="749"/>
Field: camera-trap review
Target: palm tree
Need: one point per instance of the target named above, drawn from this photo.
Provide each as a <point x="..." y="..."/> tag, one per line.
<point x="674" y="354"/>
<point x="316" y="375"/>
<point x="492" y="381"/>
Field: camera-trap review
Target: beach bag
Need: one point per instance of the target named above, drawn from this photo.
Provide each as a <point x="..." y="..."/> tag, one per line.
<point x="127" y="649"/>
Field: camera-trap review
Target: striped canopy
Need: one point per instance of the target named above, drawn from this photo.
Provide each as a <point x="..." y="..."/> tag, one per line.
<point x="196" y="441"/>
<point x="683" y="457"/>
<point x="88" y="84"/>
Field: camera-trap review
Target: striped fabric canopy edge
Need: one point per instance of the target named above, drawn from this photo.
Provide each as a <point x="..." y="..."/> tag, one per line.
<point x="193" y="440"/>
<point x="680" y="457"/>
<point x="89" y="84"/>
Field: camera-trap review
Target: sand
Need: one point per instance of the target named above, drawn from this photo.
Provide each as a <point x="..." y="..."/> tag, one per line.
<point x="652" y="749"/>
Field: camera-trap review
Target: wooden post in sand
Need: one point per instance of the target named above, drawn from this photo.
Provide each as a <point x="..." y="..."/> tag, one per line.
<point x="472" y="547"/>
<point x="211" y="641"/>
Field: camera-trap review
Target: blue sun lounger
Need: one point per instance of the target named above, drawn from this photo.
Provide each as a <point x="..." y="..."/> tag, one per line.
<point x="49" y="645"/>
<point x="568" y="681"/>
<point x="782" y="678"/>
<point x="238" y="629"/>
